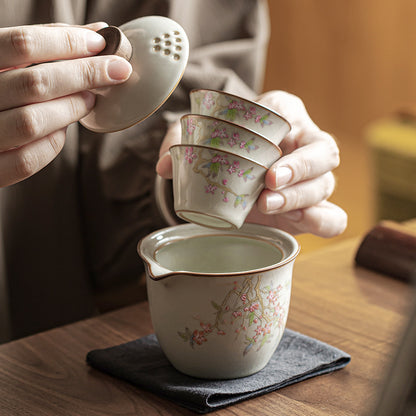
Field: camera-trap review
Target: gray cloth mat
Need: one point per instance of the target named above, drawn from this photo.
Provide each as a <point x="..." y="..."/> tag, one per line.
<point x="142" y="363"/>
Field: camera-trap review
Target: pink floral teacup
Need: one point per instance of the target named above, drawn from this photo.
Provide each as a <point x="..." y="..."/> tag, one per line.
<point x="219" y="300"/>
<point x="213" y="187"/>
<point x="223" y="135"/>
<point x="241" y="111"/>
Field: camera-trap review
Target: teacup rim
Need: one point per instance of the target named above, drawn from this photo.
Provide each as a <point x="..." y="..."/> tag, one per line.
<point x="235" y="125"/>
<point x="171" y="273"/>
<point x="220" y="151"/>
<point x="244" y="99"/>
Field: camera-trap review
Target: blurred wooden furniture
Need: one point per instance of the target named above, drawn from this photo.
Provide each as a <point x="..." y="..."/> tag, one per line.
<point x="392" y="143"/>
<point x="351" y="63"/>
<point x="349" y="60"/>
<point x="359" y="311"/>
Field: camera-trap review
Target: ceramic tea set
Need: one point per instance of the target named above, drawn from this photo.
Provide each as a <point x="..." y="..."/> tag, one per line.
<point x="228" y="143"/>
<point x="219" y="299"/>
<point x="218" y="289"/>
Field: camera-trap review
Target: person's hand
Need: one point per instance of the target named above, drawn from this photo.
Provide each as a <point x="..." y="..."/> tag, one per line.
<point x="299" y="183"/>
<point x="38" y="102"/>
<point x="172" y="136"/>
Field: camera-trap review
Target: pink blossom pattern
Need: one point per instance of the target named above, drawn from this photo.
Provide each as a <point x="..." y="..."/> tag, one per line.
<point x="210" y="189"/>
<point x="221" y="159"/>
<point x="238" y="105"/>
<point x="206" y="327"/>
<point x="190" y="125"/>
<point x="210" y="167"/>
<point x="250" y="308"/>
<point x="236" y="109"/>
<point x="198" y="337"/>
<point x="233" y="167"/>
<point x="190" y="155"/>
<point x="234" y="139"/>
<point x="208" y="100"/>
<point x="250" y="113"/>
<point x="221" y="136"/>
<point x="222" y="133"/>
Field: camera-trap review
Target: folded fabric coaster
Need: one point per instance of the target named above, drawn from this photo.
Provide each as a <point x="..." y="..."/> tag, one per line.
<point x="142" y="363"/>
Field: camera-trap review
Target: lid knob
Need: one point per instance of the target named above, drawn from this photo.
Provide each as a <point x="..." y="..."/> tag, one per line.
<point x="116" y="42"/>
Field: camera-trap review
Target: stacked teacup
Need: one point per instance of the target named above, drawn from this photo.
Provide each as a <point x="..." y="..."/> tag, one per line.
<point x="228" y="144"/>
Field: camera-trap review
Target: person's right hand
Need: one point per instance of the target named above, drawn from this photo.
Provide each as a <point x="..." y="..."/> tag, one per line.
<point x="37" y="103"/>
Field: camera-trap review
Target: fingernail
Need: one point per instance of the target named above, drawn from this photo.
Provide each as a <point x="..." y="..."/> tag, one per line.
<point x="164" y="155"/>
<point x="274" y="201"/>
<point x="283" y="176"/>
<point x="95" y="42"/>
<point x="96" y="25"/>
<point x="295" y="215"/>
<point x="118" y="69"/>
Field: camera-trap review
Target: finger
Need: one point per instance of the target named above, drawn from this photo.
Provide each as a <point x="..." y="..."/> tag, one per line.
<point x="164" y="165"/>
<point x="300" y="195"/>
<point x="316" y="154"/>
<point x="45" y="82"/>
<point x="93" y="26"/>
<point x="324" y="219"/>
<point x="291" y="108"/>
<point x="32" y="44"/>
<point x="14" y="67"/>
<point x="32" y="122"/>
<point x="20" y="163"/>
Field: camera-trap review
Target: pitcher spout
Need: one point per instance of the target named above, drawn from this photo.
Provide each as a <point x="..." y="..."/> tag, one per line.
<point x="153" y="269"/>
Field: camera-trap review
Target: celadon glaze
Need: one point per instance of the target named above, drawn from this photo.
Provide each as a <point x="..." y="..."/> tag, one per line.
<point x="214" y="188"/>
<point x="214" y="318"/>
<point x="223" y="135"/>
<point x="241" y="111"/>
<point x="160" y="55"/>
<point x="236" y="254"/>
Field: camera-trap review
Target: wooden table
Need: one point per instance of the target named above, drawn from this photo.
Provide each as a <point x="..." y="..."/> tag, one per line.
<point x="352" y="308"/>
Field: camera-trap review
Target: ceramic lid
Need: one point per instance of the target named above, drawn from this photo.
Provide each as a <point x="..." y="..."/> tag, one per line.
<point x="160" y="50"/>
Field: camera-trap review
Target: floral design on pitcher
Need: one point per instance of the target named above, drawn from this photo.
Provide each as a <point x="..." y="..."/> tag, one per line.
<point x="251" y="310"/>
<point x="209" y="168"/>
